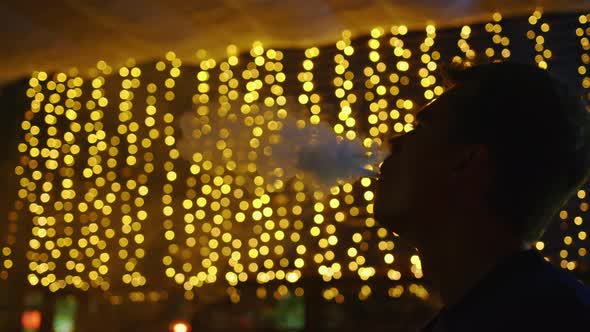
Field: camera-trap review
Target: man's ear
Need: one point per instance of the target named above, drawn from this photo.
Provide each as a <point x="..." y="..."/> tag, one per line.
<point x="473" y="159"/>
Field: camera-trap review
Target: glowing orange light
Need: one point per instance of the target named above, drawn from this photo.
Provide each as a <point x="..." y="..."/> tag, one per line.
<point x="31" y="320"/>
<point x="180" y="326"/>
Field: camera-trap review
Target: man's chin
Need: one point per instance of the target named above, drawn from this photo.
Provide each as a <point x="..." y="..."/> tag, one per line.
<point x="397" y="223"/>
<point x="388" y="214"/>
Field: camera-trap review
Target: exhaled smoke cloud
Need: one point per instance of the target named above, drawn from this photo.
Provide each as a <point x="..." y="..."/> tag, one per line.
<point x="265" y="141"/>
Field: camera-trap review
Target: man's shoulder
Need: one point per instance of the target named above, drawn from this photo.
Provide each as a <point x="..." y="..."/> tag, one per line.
<point x="527" y="294"/>
<point x="550" y="297"/>
<point x="551" y="283"/>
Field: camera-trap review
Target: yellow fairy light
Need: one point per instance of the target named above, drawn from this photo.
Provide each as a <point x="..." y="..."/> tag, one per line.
<point x="543" y="54"/>
<point x="306" y="78"/>
<point x="375" y="84"/>
<point x="344" y="91"/>
<point x="499" y="49"/>
<point x="583" y="34"/>
<point x="428" y="59"/>
<point x="465" y="47"/>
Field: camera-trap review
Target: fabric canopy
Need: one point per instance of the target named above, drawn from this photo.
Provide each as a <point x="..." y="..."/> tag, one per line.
<point x="56" y="35"/>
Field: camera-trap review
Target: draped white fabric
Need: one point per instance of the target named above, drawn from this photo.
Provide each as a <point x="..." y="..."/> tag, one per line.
<point x="56" y="35"/>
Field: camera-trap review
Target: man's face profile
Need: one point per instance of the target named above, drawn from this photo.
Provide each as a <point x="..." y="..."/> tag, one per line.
<point x="417" y="175"/>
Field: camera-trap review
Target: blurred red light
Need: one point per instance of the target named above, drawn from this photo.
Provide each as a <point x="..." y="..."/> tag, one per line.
<point x="31" y="320"/>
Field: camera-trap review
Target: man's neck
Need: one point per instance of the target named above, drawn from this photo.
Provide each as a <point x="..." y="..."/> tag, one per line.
<point x="459" y="265"/>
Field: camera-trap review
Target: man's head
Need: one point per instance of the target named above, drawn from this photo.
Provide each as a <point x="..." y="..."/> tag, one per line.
<point x="505" y="140"/>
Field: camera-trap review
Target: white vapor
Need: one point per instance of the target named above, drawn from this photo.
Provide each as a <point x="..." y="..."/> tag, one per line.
<point x="288" y="147"/>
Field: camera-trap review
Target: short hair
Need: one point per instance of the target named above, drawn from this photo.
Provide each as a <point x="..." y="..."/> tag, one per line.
<point x="537" y="133"/>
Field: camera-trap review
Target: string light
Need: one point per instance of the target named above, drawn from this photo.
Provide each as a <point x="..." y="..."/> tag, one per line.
<point x="539" y="27"/>
<point x="465" y="47"/>
<point x="130" y="244"/>
<point x="255" y="121"/>
<point x="93" y="173"/>
<point x="170" y="210"/>
<point x="376" y="92"/>
<point x="428" y="79"/>
<point x="308" y="97"/>
<point x="583" y="34"/>
<point x="403" y="104"/>
<point x="343" y="83"/>
<point x="499" y="50"/>
<point x="378" y="119"/>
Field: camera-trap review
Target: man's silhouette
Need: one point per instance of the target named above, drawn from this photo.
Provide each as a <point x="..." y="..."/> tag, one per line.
<point x="476" y="183"/>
